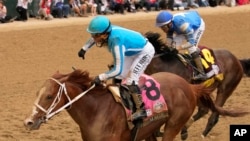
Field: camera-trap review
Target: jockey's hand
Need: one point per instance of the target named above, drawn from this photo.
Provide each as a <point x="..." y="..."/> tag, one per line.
<point x="81" y="53"/>
<point x="97" y="81"/>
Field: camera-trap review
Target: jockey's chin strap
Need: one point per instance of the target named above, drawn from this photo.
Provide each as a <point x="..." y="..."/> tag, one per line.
<point x="61" y="90"/>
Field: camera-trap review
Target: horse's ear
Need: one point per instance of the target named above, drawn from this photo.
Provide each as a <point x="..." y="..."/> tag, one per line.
<point x="65" y="78"/>
<point x="74" y="68"/>
<point x="86" y="73"/>
<point x="56" y="74"/>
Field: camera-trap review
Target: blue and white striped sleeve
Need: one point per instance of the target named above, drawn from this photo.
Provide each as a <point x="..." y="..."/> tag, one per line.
<point x="118" y="55"/>
<point x="88" y="44"/>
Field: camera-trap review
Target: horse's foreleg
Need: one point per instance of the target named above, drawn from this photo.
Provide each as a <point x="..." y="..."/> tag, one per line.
<point x="222" y="96"/>
<point x="184" y="134"/>
<point x="201" y="112"/>
<point x="170" y="133"/>
<point x="213" y="119"/>
<point x="184" y="131"/>
<point x="151" y="138"/>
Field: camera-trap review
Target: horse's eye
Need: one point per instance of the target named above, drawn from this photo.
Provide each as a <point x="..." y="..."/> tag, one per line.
<point x="49" y="97"/>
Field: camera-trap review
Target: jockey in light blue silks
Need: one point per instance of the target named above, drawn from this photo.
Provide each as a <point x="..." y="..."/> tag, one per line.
<point x="131" y="53"/>
<point x="183" y="26"/>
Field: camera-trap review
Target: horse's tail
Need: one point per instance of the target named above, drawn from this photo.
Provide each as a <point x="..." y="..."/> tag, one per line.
<point x="203" y="93"/>
<point x="245" y="63"/>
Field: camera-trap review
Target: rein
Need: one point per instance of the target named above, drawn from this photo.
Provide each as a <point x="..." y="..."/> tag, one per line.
<point x="61" y="90"/>
<point x="165" y="52"/>
<point x="159" y="55"/>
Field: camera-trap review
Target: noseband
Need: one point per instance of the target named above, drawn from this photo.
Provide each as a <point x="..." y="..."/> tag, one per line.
<point x="62" y="89"/>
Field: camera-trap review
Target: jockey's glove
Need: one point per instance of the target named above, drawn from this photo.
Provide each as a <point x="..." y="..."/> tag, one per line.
<point x="96" y="81"/>
<point x="81" y="53"/>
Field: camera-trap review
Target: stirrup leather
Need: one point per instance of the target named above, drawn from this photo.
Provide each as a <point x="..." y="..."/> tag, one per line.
<point x="182" y="59"/>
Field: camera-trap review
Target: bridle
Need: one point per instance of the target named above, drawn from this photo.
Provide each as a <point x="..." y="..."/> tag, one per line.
<point x="62" y="89"/>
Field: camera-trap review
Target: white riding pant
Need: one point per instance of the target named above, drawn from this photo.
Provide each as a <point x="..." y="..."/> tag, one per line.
<point x="179" y="39"/>
<point x="134" y="66"/>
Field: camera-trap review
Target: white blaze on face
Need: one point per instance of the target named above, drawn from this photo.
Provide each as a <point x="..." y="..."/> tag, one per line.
<point x="42" y="90"/>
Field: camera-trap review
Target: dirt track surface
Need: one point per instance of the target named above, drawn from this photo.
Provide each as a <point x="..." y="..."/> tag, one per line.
<point x="31" y="52"/>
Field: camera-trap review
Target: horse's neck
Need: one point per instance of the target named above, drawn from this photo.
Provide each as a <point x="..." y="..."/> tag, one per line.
<point x="168" y="64"/>
<point x="90" y="106"/>
<point x="80" y="109"/>
<point x="95" y="113"/>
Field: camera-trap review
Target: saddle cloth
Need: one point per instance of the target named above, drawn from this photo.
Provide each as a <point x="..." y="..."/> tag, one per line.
<point x="154" y="102"/>
<point x="209" y="62"/>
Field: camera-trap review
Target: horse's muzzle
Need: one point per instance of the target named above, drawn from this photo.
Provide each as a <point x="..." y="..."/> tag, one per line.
<point x="31" y="124"/>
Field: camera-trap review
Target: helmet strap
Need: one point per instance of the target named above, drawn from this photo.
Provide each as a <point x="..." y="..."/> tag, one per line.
<point x="169" y="25"/>
<point x="99" y="44"/>
<point x="103" y="41"/>
<point x="105" y="37"/>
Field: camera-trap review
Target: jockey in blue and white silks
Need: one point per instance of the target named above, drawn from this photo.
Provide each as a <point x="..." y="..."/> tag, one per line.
<point x="131" y="52"/>
<point x="183" y="26"/>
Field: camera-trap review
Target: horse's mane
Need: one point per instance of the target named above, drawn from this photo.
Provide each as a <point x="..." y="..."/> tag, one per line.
<point x="160" y="47"/>
<point x="81" y="78"/>
<point x="78" y="77"/>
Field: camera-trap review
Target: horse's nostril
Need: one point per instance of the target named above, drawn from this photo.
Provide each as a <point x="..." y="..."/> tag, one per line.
<point x="29" y="123"/>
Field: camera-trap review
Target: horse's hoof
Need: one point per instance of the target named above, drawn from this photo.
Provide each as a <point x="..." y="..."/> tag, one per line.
<point x="202" y="136"/>
<point x="158" y="134"/>
<point x="184" y="136"/>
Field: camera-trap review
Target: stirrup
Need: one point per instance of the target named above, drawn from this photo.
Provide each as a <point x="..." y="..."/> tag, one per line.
<point x="139" y="114"/>
<point x="200" y="77"/>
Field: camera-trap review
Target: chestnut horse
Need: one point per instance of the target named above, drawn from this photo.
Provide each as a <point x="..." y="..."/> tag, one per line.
<point x="166" y="60"/>
<point x="101" y="118"/>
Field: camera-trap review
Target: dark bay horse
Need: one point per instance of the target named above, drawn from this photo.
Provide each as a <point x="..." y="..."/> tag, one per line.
<point x="166" y="60"/>
<point x="101" y="118"/>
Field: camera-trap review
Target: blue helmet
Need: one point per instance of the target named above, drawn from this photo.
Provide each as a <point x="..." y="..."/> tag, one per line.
<point x="163" y="18"/>
<point x="99" y="24"/>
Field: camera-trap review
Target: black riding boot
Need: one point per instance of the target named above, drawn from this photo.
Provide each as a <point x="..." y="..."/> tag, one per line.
<point x="116" y="81"/>
<point x="140" y="112"/>
<point x="197" y="59"/>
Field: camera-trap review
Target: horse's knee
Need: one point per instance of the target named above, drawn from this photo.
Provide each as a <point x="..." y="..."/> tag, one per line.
<point x="213" y="119"/>
<point x="200" y="113"/>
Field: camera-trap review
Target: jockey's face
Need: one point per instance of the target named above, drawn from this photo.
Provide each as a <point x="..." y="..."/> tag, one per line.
<point x="100" y="39"/>
<point x="165" y="28"/>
